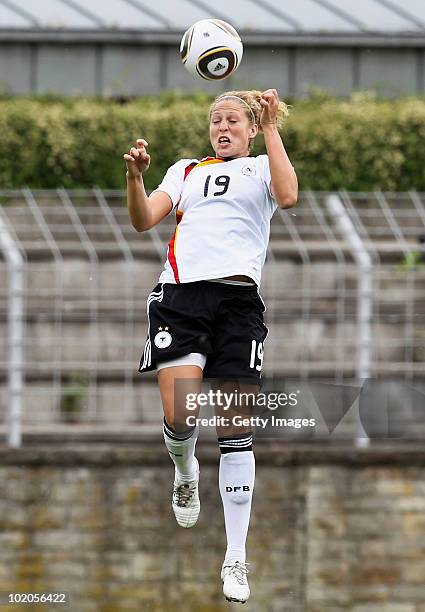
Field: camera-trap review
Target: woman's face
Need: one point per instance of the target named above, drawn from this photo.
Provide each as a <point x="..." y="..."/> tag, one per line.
<point x="230" y="129"/>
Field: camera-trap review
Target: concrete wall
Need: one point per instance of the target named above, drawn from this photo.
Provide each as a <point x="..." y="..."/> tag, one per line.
<point x="128" y="69"/>
<point x="333" y="529"/>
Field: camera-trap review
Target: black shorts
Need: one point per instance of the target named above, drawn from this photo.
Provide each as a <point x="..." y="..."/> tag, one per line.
<point x="223" y="321"/>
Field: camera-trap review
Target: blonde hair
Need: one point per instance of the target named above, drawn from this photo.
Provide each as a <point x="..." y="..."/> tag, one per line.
<point x="250" y="101"/>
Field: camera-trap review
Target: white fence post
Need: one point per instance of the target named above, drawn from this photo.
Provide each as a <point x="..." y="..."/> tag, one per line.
<point x="364" y="295"/>
<point x="15" y="263"/>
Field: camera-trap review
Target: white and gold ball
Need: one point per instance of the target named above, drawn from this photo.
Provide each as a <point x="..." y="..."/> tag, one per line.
<point x="211" y="49"/>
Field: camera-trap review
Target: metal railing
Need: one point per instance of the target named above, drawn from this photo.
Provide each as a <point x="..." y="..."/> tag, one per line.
<point x="15" y="316"/>
<point x="344" y="285"/>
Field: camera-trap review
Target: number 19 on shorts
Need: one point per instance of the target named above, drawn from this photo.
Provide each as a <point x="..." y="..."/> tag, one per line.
<point x="257" y="353"/>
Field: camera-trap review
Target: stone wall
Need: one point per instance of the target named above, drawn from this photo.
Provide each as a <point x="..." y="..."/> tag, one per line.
<point x="333" y="528"/>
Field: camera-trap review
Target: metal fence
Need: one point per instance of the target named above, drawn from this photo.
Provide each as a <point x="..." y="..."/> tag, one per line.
<point x="344" y="285"/>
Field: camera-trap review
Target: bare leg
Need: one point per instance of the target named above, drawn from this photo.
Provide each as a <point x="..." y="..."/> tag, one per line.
<point x="239" y="409"/>
<point x="177" y="384"/>
<point x="174" y="385"/>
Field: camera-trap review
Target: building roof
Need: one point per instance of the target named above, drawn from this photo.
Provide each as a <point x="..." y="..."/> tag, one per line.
<point x="302" y="16"/>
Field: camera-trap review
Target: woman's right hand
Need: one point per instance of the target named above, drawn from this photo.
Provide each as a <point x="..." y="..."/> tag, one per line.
<point x="137" y="159"/>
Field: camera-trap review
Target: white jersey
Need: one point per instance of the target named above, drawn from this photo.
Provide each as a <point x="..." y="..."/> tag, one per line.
<point x="223" y="211"/>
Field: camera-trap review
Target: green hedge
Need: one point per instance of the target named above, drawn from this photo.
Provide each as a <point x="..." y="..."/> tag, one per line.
<point x="360" y="144"/>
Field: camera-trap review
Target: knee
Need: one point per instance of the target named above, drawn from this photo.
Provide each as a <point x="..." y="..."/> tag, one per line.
<point x="178" y="428"/>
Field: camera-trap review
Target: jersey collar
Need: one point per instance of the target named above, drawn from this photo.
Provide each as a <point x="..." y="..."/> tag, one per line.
<point x="226" y="159"/>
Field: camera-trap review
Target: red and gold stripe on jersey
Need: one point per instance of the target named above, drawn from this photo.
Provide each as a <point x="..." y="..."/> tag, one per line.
<point x="206" y="161"/>
<point x="172" y="247"/>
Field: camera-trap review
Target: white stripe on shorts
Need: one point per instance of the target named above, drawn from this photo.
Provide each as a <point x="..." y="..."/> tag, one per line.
<point x="155" y="296"/>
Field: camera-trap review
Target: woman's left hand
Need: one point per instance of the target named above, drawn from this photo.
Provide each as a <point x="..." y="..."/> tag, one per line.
<point x="270" y="103"/>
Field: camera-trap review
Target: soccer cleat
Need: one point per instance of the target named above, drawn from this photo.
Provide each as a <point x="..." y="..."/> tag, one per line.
<point x="186" y="505"/>
<point x="235" y="583"/>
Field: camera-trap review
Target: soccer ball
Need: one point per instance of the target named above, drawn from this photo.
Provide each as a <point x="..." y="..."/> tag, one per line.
<point x="211" y="49"/>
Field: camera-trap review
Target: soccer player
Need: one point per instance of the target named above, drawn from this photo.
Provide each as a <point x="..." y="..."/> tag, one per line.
<point x="205" y="315"/>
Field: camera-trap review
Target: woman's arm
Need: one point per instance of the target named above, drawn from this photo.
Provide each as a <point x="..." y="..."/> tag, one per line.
<point x="145" y="212"/>
<point x="283" y="178"/>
